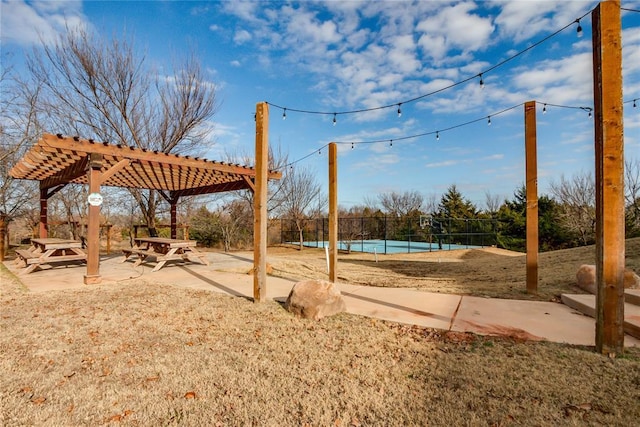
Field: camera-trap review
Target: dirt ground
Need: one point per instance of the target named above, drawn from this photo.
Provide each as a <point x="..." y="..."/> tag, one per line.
<point x="142" y="354"/>
<point x="490" y="272"/>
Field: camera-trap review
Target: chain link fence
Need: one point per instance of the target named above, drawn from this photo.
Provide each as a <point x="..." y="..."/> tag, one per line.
<point x="386" y="234"/>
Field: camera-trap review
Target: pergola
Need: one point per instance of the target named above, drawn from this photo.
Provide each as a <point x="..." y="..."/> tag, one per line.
<point x="56" y="161"/>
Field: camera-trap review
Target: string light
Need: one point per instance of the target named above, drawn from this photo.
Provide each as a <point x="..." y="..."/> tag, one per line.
<point x="334" y="119"/>
<point x="399" y="110"/>
<point x="579" y="29"/>
<point x="634" y="103"/>
<point x="437" y="91"/>
<point x="544" y="109"/>
<point x="284" y="114"/>
<point x="481" y="81"/>
<point x="437" y="132"/>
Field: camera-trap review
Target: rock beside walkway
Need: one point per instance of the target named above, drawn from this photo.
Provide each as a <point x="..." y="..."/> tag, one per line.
<point x="586" y="279"/>
<point x="314" y="299"/>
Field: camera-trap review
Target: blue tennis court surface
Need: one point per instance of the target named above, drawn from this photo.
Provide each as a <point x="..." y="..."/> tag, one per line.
<point x="389" y="246"/>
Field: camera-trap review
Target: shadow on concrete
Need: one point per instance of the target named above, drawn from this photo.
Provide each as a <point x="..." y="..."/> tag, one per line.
<point x="220" y="286"/>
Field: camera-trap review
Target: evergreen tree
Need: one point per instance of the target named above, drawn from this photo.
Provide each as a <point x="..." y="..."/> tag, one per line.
<point x="454" y="205"/>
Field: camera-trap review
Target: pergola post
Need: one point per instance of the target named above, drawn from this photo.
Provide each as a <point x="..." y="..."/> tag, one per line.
<point x="260" y="204"/>
<point x="173" y="203"/>
<point x="44" y="198"/>
<point x="609" y="165"/>
<point x="532" y="195"/>
<point x="93" y="228"/>
<point x="333" y="212"/>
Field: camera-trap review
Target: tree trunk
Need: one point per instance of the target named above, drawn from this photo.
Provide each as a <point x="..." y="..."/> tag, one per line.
<point x="301" y="237"/>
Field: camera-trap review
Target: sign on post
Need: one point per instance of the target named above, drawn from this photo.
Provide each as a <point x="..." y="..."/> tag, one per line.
<point x="95" y="199"/>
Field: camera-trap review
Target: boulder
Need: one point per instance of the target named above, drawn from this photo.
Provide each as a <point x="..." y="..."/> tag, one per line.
<point x="586" y="279"/>
<point x="314" y="299"/>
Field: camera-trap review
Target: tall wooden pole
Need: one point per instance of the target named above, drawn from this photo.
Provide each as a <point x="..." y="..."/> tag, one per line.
<point x="260" y="204"/>
<point x="333" y="212"/>
<point x="93" y="229"/>
<point x="610" y="250"/>
<point x="532" y="195"/>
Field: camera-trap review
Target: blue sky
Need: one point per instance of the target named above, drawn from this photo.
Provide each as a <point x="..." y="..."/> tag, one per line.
<point x="339" y="56"/>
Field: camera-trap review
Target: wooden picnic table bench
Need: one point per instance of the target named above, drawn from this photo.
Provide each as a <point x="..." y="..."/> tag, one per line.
<point x="49" y="251"/>
<point x="163" y="250"/>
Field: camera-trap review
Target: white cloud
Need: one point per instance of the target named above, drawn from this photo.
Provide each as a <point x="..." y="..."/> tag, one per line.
<point x="241" y="37"/>
<point x="522" y="20"/>
<point x="455" y="28"/>
<point x="442" y="164"/>
<point x="30" y="23"/>
<point x="564" y="81"/>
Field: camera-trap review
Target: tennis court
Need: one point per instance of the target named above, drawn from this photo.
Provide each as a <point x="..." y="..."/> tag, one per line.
<point x="389" y="246"/>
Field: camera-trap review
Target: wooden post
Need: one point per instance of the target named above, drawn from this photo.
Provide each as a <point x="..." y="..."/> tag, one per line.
<point x="610" y="244"/>
<point x="260" y="204"/>
<point x="532" y="195"/>
<point x="44" y="197"/>
<point x="3" y="235"/>
<point x="333" y="212"/>
<point x="174" y="218"/>
<point x="93" y="229"/>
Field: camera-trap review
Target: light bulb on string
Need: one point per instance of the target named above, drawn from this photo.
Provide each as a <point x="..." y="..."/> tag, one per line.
<point x="488" y="120"/>
<point x="391" y="143"/>
<point x="352" y="145"/>
<point x="634" y="103"/>
<point x="481" y="81"/>
<point x="334" y="119"/>
<point x="399" y="111"/>
<point x="579" y="29"/>
<point x="284" y="114"/>
<point x="437" y="135"/>
<point x="544" y="109"/>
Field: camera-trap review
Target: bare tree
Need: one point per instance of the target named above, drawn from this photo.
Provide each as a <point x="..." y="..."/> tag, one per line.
<point x="576" y="198"/>
<point x="278" y="160"/>
<point x="234" y="218"/>
<point x="492" y="203"/>
<point x="301" y="195"/>
<point x="632" y="194"/>
<point x="19" y="128"/>
<point x="401" y="204"/>
<point x="102" y="89"/>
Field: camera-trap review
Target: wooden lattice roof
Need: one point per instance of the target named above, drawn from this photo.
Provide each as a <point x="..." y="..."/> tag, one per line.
<point x="57" y="160"/>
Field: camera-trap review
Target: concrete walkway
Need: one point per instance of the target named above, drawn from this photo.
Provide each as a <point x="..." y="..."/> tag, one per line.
<point x="487" y="316"/>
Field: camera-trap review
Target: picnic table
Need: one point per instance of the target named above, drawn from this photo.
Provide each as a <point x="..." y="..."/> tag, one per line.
<point x="49" y="251"/>
<point x="163" y="250"/>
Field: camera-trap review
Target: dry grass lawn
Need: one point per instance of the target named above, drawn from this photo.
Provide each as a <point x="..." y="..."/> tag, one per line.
<point x="143" y="354"/>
